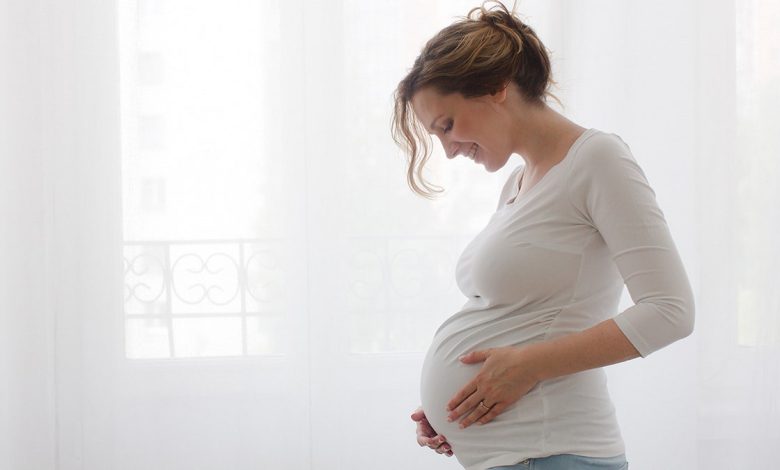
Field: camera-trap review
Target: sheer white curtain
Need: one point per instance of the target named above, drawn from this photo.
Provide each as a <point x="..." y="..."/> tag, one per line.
<point x="211" y="259"/>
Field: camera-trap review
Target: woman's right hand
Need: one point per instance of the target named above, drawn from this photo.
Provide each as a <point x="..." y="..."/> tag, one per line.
<point x="427" y="436"/>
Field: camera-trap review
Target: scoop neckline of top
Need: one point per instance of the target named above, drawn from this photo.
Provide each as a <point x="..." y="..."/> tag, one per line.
<point x="519" y="175"/>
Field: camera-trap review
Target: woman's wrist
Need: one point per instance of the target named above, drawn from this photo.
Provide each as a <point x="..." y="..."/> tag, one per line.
<point x="532" y="356"/>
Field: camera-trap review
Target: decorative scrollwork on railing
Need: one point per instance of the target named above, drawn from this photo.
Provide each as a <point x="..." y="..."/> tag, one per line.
<point x="200" y="271"/>
<point x="140" y="267"/>
<point x="203" y="298"/>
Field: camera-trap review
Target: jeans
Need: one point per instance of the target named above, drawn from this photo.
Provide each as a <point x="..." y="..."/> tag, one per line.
<point x="569" y="462"/>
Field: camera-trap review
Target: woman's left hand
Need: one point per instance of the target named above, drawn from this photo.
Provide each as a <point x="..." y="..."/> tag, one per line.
<point x="505" y="377"/>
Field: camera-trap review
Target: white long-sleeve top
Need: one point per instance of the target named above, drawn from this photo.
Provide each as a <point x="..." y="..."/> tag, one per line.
<point x="550" y="263"/>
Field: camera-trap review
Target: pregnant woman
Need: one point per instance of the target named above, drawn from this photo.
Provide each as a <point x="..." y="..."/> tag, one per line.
<point x="515" y="378"/>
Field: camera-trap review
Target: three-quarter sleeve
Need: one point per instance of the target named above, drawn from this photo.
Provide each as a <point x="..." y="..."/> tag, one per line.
<point x="610" y="191"/>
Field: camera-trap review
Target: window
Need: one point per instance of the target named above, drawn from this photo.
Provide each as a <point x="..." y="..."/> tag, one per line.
<point x="195" y="150"/>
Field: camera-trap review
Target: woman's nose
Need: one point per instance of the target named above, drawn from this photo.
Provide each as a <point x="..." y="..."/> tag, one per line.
<point x="451" y="150"/>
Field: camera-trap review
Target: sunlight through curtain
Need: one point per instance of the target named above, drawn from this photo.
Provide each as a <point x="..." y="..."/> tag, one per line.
<point x="212" y="259"/>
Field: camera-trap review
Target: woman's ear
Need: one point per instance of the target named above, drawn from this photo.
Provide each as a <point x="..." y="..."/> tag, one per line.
<point x="500" y="95"/>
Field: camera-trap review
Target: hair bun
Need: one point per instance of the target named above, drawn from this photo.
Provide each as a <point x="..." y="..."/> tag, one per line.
<point x="499" y="17"/>
<point x="489" y="18"/>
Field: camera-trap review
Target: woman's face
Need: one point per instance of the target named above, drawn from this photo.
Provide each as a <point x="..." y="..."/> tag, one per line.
<point x="472" y="127"/>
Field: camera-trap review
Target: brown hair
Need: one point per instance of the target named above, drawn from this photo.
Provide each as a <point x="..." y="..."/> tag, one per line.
<point x="475" y="56"/>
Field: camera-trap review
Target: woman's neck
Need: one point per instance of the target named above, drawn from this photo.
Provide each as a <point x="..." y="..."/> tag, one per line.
<point x="544" y="137"/>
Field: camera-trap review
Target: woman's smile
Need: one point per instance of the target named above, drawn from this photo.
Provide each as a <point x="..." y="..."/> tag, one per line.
<point x="473" y="152"/>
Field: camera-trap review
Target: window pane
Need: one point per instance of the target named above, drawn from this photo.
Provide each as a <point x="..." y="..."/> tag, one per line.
<point x="199" y="81"/>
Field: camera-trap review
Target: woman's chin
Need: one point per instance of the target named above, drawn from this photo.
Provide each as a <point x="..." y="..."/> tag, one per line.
<point x="489" y="168"/>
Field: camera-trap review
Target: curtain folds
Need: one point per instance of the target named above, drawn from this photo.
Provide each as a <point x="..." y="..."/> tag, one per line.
<point x="258" y="292"/>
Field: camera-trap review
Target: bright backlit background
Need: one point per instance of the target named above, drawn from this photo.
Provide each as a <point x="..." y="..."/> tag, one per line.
<point x="211" y="259"/>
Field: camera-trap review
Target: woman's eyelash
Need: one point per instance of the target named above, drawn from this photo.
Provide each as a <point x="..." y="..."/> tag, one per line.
<point x="449" y="126"/>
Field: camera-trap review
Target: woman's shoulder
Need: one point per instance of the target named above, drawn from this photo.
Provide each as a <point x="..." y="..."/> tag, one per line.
<point x="599" y="151"/>
<point x="605" y="163"/>
<point x="601" y="142"/>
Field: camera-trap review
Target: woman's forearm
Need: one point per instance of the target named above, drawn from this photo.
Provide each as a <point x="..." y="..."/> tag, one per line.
<point x="598" y="346"/>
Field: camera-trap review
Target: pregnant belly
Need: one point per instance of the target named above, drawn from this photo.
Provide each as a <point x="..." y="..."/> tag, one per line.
<point x="443" y="375"/>
<point x="440" y="380"/>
